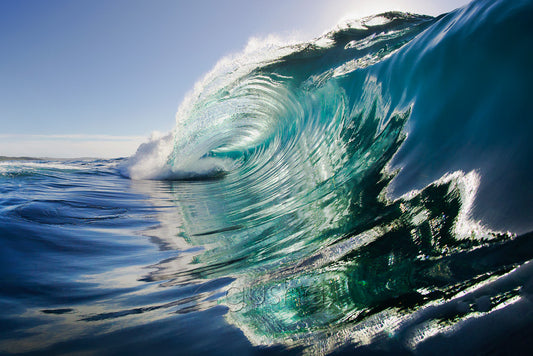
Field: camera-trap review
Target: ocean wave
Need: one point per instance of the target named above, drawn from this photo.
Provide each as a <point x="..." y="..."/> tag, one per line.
<point x="359" y="175"/>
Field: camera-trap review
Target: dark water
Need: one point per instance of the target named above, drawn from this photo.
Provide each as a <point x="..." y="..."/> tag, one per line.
<point x="366" y="192"/>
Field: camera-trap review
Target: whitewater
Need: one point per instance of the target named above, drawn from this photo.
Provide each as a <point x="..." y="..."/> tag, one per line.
<point x="365" y="191"/>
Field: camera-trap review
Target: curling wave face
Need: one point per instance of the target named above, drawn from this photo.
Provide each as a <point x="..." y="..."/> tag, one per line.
<point x="348" y="184"/>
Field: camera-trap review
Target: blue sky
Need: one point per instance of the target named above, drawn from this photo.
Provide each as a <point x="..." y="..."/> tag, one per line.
<point x="96" y="77"/>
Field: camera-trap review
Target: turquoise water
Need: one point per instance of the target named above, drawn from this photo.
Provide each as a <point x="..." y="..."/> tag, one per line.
<point x="368" y="191"/>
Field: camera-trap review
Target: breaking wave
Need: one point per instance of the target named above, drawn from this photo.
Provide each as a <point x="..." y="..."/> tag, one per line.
<point x="351" y="183"/>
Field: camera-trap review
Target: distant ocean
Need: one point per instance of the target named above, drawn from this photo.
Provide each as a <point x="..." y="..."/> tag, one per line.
<point x="366" y="192"/>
